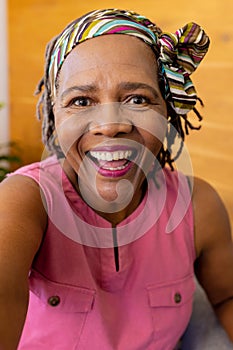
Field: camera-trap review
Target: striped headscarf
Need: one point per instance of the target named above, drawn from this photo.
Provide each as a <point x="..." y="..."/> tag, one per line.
<point x="178" y="54"/>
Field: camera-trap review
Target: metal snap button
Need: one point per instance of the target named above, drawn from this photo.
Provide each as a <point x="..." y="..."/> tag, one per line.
<point x="177" y="298"/>
<point x="54" y="300"/>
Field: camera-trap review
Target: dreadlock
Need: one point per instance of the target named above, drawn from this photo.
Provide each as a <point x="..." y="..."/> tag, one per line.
<point x="44" y="108"/>
<point x="180" y="124"/>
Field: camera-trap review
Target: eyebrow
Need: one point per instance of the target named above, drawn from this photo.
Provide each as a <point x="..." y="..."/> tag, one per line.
<point x="131" y="86"/>
<point x="79" y="88"/>
<point x="127" y="86"/>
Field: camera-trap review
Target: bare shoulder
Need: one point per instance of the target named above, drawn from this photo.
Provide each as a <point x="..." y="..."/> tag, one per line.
<point x="22" y="224"/>
<point x="23" y="219"/>
<point x="211" y="220"/>
<point x="213" y="242"/>
<point x="22" y="193"/>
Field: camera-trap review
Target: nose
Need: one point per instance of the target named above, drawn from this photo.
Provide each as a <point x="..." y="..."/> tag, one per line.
<point x="111" y="129"/>
<point x="109" y="120"/>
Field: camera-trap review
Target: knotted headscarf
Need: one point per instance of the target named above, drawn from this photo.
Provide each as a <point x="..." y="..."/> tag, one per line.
<point x="178" y="54"/>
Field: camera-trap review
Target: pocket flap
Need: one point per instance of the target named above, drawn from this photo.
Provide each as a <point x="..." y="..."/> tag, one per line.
<point x="66" y="298"/>
<point x="172" y="294"/>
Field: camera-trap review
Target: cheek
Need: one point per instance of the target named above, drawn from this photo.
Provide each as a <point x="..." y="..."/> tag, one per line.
<point x="70" y="130"/>
<point x="152" y="126"/>
<point x="152" y="140"/>
<point x="154" y="146"/>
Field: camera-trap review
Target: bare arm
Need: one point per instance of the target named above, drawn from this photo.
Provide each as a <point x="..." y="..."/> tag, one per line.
<point x="22" y="223"/>
<point x="214" y="265"/>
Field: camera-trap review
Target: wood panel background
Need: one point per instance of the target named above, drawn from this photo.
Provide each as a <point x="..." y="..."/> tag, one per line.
<point x="32" y="23"/>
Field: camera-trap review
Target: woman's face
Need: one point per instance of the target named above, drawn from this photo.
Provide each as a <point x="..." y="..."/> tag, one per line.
<point x="111" y="119"/>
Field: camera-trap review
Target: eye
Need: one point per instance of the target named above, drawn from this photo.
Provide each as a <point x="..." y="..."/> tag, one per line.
<point x="138" y="100"/>
<point x="81" y="101"/>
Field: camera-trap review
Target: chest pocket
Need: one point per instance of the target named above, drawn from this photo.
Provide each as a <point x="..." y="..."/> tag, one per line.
<point x="171" y="307"/>
<point x="56" y="315"/>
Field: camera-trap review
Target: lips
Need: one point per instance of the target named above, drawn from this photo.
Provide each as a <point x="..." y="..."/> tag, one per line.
<point x="113" y="163"/>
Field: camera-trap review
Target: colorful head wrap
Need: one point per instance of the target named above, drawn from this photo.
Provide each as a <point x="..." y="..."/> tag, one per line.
<point x="178" y="54"/>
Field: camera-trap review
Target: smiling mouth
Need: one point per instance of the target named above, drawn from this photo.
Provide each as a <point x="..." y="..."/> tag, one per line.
<point x="113" y="163"/>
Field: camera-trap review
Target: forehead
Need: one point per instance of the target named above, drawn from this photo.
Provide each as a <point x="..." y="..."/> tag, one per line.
<point x="117" y="51"/>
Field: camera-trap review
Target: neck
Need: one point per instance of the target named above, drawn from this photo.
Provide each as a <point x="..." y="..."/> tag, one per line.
<point x="117" y="217"/>
<point x="114" y="216"/>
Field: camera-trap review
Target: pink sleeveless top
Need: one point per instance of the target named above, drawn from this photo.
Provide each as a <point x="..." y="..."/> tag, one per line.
<point x="94" y="287"/>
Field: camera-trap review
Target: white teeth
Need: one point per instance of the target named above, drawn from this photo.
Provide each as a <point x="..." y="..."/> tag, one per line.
<point x="118" y="168"/>
<point x="115" y="156"/>
<point x="110" y="156"/>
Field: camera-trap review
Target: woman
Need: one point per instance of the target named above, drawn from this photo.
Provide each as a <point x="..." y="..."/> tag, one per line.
<point x="111" y="236"/>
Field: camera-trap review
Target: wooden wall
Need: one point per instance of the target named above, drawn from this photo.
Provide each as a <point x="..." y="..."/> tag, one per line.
<point x="32" y="23"/>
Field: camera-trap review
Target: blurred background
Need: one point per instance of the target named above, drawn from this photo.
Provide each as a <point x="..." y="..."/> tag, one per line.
<point x="27" y="25"/>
